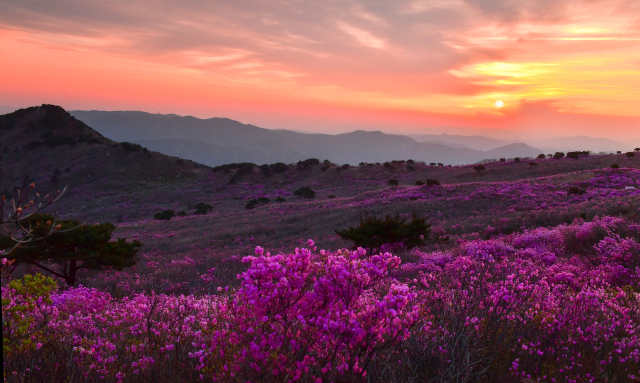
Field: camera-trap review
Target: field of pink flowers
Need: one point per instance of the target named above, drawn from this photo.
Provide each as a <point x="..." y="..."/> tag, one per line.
<point x="558" y="304"/>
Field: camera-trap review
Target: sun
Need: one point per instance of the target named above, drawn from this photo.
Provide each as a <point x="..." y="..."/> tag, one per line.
<point x="499" y="104"/>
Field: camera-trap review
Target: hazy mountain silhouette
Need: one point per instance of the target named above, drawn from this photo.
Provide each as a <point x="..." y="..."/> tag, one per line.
<point x="473" y="142"/>
<point x="583" y="143"/>
<point x="217" y="141"/>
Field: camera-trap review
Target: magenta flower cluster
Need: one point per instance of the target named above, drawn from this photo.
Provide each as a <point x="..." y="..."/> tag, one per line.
<point x="550" y="305"/>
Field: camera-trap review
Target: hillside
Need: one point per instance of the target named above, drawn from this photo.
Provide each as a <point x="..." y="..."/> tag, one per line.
<point x="53" y="149"/>
<point x="218" y="141"/>
<point x="519" y="257"/>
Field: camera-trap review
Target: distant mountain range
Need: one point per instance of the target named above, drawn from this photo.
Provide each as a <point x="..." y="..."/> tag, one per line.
<point x="549" y="145"/>
<point x="217" y="141"/>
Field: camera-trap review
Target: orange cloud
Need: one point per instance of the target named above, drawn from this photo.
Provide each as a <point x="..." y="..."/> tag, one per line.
<point x="412" y="65"/>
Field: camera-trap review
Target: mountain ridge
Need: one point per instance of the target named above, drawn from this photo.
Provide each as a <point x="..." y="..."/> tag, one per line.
<point x="226" y="140"/>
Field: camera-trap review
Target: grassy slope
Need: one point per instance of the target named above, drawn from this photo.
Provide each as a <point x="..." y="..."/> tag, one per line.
<point x="108" y="183"/>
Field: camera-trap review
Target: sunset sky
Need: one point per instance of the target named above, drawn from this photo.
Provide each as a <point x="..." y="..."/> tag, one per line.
<point x="561" y="67"/>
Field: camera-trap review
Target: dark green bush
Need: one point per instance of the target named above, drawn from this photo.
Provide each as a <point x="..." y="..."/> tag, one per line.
<point x="202" y="208"/>
<point x="558" y="155"/>
<point x="575" y="190"/>
<point x="279" y="167"/>
<point x="479" y="168"/>
<point x="373" y="232"/>
<point x="73" y="247"/>
<point x="256" y="202"/>
<point x="392" y="182"/>
<point x="129" y="147"/>
<point x="305" y="192"/>
<point x="433" y="182"/>
<point x="164" y="215"/>
<point x="308" y="163"/>
<point x="630" y="154"/>
<point x="419" y="183"/>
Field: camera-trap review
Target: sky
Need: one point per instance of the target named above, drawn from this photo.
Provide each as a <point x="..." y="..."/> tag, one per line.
<point x="560" y="67"/>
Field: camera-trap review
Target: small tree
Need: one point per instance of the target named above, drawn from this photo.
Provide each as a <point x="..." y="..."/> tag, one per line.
<point x="72" y="248"/>
<point x="393" y="182"/>
<point x="419" y="183"/>
<point x="305" y="192"/>
<point x="637" y="149"/>
<point x="479" y="168"/>
<point x="541" y="156"/>
<point x="503" y="160"/>
<point x="631" y="154"/>
<point x="517" y="160"/>
<point x="615" y="166"/>
<point x="532" y="164"/>
<point x="373" y="232"/>
<point x="164" y="215"/>
<point x="573" y="155"/>
<point x="558" y="155"/>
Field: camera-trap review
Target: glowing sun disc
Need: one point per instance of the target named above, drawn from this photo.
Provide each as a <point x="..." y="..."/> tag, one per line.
<point x="499" y="104"/>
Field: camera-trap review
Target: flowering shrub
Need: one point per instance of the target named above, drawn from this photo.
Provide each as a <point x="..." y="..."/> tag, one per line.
<point x="550" y="305"/>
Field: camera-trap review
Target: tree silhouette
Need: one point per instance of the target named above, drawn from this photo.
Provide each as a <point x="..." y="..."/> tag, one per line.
<point x="373" y="232"/>
<point x="393" y="182"/>
<point x="479" y="168"/>
<point x="305" y="192"/>
<point x="73" y="247"/>
<point x="164" y="215"/>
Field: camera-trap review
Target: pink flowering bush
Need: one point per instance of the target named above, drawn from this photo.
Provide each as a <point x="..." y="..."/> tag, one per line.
<point x="554" y="304"/>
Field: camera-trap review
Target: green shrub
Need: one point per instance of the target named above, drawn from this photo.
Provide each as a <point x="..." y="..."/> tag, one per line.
<point x="393" y="182"/>
<point x="558" y="155"/>
<point x="202" y="208"/>
<point x="433" y="182"/>
<point x="308" y="163"/>
<point x="373" y="232"/>
<point x="129" y="147"/>
<point x="305" y="192"/>
<point x="631" y="154"/>
<point x="541" y="156"/>
<point x="479" y="168"/>
<point x="279" y="167"/>
<point x="575" y="190"/>
<point x="615" y="166"/>
<point x="419" y="183"/>
<point x="164" y="215"/>
<point x="19" y="325"/>
<point x="256" y="202"/>
<point x="73" y="247"/>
